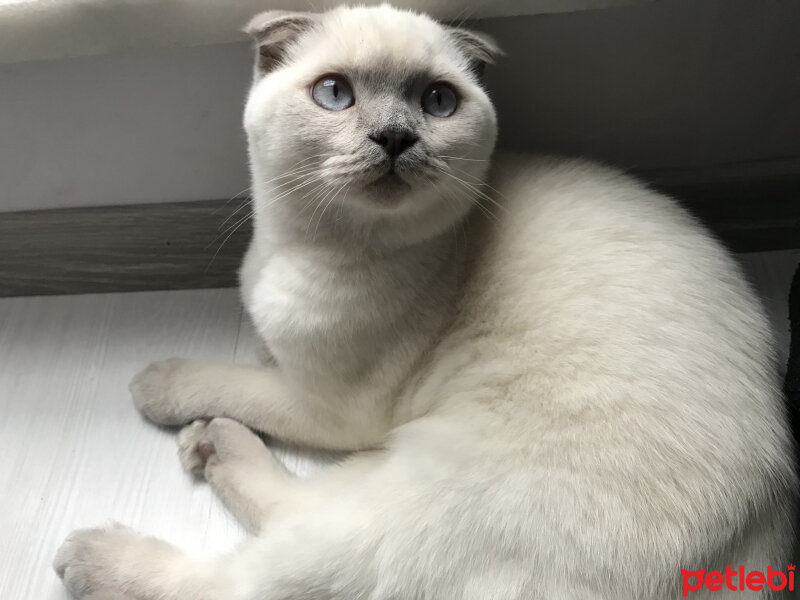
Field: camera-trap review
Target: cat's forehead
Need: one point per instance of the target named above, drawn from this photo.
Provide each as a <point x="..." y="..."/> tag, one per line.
<point x="380" y="39"/>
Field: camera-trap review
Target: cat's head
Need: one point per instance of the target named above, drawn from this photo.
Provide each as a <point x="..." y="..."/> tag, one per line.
<point x="372" y="113"/>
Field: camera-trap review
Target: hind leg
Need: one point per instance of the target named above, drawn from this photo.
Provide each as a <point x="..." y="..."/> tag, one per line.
<point x="116" y="562"/>
<point x="298" y="556"/>
<point x="297" y="561"/>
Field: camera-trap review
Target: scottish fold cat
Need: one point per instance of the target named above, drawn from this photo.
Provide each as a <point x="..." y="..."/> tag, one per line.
<point x="556" y="383"/>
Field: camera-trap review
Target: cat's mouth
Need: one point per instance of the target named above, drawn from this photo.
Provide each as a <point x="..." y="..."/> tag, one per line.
<point x="384" y="181"/>
<point x="388" y="179"/>
<point x="389" y="186"/>
<point x="404" y="170"/>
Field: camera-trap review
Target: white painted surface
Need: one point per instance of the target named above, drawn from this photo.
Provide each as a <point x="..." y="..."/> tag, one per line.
<point x="76" y="453"/>
<point x="654" y="84"/>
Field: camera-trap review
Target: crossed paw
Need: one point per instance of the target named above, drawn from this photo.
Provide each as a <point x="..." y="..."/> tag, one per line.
<point x="205" y="446"/>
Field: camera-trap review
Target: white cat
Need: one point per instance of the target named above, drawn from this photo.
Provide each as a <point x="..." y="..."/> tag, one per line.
<point x="561" y="385"/>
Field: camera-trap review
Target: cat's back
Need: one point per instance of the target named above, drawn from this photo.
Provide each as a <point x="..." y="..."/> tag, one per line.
<point x="599" y="224"/>
<point x="579" y="247"/>
<point x="611" y="359"/>
<point x="610" y="298"/>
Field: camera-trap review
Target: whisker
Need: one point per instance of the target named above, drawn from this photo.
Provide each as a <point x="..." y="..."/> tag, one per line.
<point x="299" y="176"/>
<point x="231" y="199"/>
<point x="450" y="199"/>
<point x="225" y="241"/>
<point x="475" y="191"/>
<point x="326" y="155"/>
<point x="479" y="181"/>
<point x="294" y="177"/>
<point x="322" y="214"/>
<point x="317" y="192"/>
<point x="317" y="207"/>
<point x="463" y="16"/>
<point x="235" y="224"/>
<point x="242" y="205"/>
<point x="472" y="187"/>
<point x="298" y="167"/>
<point x="293" y="189"/>
<point x="461" y="158"/>
<point x="342" y="201"/>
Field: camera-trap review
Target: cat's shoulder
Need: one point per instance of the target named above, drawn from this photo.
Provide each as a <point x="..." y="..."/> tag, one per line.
<point x="560" y="174"/>
<point x="509" y="164"/>
<point x="557" y="185"/>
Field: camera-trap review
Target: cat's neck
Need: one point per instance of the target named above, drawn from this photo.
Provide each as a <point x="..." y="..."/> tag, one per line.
<point x="347" y="249"/>
<point x="338" y="240"/>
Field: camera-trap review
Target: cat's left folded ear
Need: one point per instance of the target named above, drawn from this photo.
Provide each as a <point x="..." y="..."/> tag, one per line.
<point x="274" y="31"/>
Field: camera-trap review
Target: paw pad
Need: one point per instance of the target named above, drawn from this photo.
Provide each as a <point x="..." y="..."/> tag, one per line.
<point x="205" y="450"/>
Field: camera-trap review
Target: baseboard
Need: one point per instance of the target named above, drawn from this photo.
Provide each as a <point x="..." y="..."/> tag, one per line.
<point x="180" y="245"/>
<point x="752" y="206"/>
<point x="183" y="245"/>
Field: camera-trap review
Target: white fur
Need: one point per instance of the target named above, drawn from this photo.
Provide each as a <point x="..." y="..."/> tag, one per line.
<point x="573" y="396"/>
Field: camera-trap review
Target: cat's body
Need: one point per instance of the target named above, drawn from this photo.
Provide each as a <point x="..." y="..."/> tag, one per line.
<point x="566" y="436"/>
<point x="568" y="392"/>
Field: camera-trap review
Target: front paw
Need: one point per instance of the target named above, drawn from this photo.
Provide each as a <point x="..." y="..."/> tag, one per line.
<point x="88" y="560"/>
<point x="157" y="392"/>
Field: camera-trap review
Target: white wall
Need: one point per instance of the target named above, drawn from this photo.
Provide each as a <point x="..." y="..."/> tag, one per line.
<point x="670" y="83"/>
<point x="119" y="129"/>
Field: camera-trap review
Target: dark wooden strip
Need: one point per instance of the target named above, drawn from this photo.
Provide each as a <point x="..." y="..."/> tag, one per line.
<point x="751" y="207"/>
<point x="121" y="248"/>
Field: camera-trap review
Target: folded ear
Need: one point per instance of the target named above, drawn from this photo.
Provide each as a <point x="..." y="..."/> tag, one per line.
<point x="479" y="48"/>
<point x="273" y="32"/>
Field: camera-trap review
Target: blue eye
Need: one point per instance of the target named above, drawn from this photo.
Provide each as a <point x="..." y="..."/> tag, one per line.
<point x="439" y="100"/>
<point x="333" y="93"/>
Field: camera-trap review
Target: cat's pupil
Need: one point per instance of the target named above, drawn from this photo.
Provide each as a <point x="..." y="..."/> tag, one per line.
<point x="335" y="91"/>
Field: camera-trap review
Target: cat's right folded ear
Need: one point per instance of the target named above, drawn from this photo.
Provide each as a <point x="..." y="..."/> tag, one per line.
<point x="274" y="31"/>
<point x="479" y="48"/>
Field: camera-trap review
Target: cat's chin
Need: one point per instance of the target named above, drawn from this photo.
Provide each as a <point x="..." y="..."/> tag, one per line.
<point x="390" y="183"/>
<point x="388" y="190"/>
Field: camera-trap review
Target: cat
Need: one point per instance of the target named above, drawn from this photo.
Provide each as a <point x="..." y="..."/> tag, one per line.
<point x="558" y="384"/>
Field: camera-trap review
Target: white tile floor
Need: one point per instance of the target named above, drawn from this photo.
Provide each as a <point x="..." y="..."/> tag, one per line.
<point x="75" y="452"/>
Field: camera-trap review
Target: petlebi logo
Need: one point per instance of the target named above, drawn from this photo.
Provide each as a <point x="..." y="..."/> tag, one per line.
<point x="738" y="580"/>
